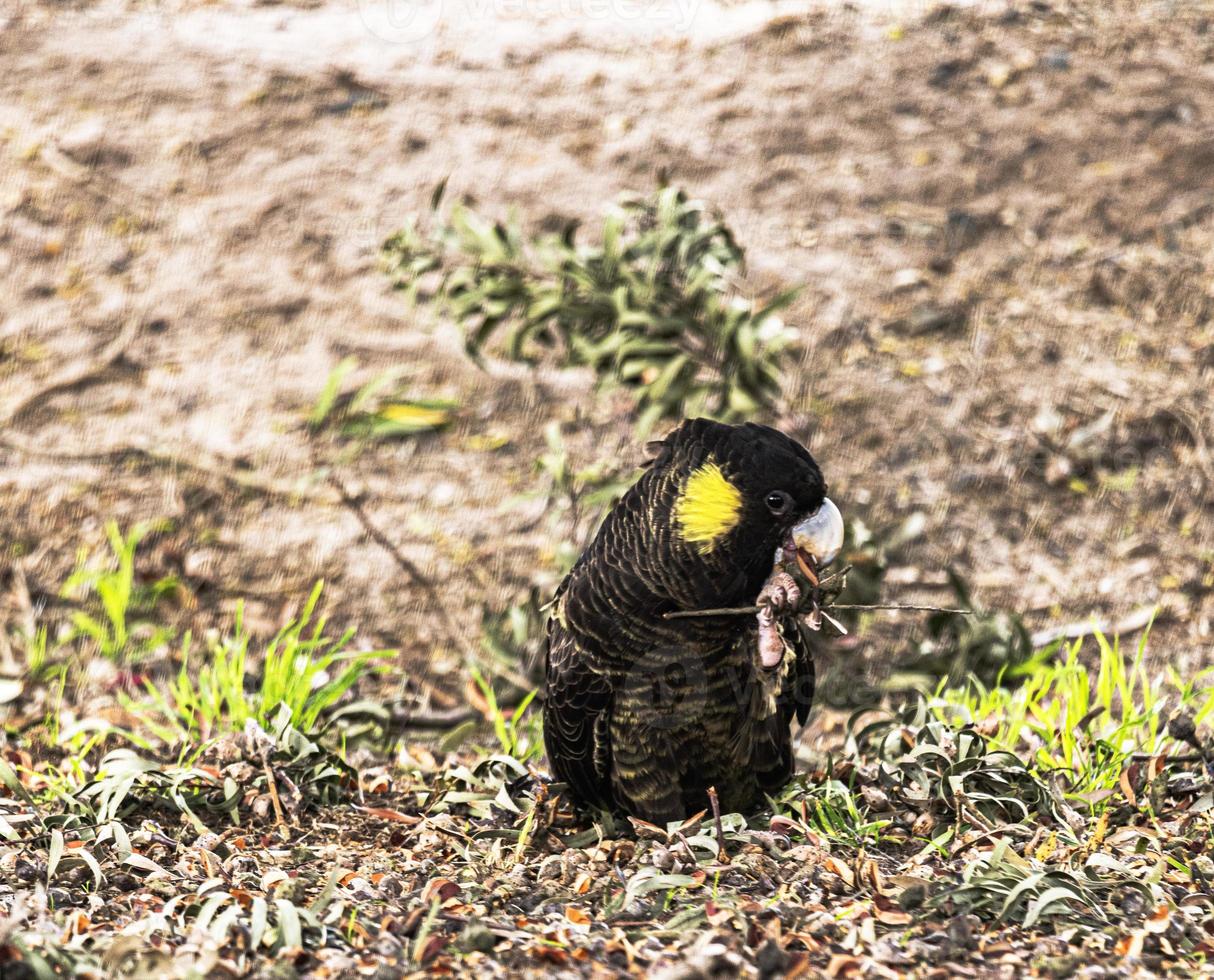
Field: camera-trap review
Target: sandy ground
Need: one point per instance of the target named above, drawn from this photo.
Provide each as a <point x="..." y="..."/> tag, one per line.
<point x="1003" y="216"/>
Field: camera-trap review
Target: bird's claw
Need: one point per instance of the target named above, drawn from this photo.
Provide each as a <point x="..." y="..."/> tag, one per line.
<point x="780" y="594"/>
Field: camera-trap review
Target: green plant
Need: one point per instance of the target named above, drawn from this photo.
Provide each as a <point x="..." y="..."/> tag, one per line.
<point x="652" y="306"/>
<point x="35" y="660"/>
<point x="829" y="807"/>
<point x="303" y="669"/>
<point x="513" y="638"/>
<point x="578" y="497"/>
<point x="517" y="734"/>
<point x="575" y="502"/>
<point x="377" y="409"/>
<point x="1005" y="886"/>
<point x="39" y="655"/>
<point x="117" y="621"/>
<point x="1086" y="727"/>
<point x="932" y="766"/>
<point x="125" y="785"/>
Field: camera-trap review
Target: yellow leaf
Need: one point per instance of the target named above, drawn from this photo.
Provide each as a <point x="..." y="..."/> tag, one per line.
<point x="417" y="415"/>
<point x="486" y="443"/>
<point x="1047" y="848"/>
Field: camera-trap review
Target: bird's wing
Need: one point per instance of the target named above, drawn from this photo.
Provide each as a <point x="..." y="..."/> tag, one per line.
<point x="577" y="705"/>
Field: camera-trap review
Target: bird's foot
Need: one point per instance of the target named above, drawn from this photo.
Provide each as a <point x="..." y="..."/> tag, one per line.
<point x="780" y="596"/>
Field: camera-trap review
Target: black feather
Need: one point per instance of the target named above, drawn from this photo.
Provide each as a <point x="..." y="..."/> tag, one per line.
<point x="644" y="714"/>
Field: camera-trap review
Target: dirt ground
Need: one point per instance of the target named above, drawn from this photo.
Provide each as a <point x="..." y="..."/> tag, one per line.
<point x="1002" y="214"/>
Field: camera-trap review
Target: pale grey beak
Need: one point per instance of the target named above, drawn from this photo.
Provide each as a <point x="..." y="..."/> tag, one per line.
<point x="820" y="536"/>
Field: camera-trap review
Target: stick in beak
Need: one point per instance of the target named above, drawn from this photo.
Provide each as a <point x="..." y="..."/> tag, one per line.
<point x="819" y="537"/>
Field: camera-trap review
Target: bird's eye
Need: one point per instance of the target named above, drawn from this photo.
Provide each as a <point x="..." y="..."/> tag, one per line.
<point x="779" y="503"/>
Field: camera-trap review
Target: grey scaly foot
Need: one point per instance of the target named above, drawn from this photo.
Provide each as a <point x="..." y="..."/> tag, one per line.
<point x="780" y="596"/>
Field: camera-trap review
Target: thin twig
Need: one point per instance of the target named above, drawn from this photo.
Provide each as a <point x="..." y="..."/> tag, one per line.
<point x="415" y="574"/>
<point x="436" y="694"/>
<point x="1135" y="621"/>
<point x="453" y="718"/>
<point x="841" y="573"/>
<point x="450" y="621"/>
<point x="74" y="375"/>
<point x="1179" y="759"/>
<point x="272" y="786"/>
<point x="354" y="505"/>
<point x="722" y="854"/>
<point x="189" y="460"/>
<point x="901" y="606"/>
<point x="401" y="719"/>
<point x="751" y="610"/>
<point x="21" y="592"/>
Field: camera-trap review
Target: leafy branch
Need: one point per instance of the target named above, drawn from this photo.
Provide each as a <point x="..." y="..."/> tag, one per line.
<point x="652" y="306"/>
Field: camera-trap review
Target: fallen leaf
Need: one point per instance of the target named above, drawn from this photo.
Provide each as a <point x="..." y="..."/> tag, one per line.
<point x="1158" y="920"/>
<point x="441" y="888"/>
<point x="385" y="813"/>
<point x="1128" y="789"/>
<point x="841" y="965"/>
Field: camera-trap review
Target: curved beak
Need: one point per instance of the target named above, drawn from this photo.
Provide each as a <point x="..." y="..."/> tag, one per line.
<point x="820" y="536"/>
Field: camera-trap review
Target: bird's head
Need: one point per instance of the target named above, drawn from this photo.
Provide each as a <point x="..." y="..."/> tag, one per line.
<point x="739" y="495"/>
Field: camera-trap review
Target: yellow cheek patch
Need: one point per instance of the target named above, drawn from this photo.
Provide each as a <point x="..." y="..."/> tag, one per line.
<point x="708" y="508"/>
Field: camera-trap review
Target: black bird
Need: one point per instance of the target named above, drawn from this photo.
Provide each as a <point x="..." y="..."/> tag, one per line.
<point x="643" y="713"/>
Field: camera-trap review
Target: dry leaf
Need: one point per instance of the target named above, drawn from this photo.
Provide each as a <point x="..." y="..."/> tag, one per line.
<point x="1127" y="789"/>
<point x="841" y="965"/>
<point x="386" y="813"/>
<point x="443" y="889"/>
<point x="1158" y="920"/>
